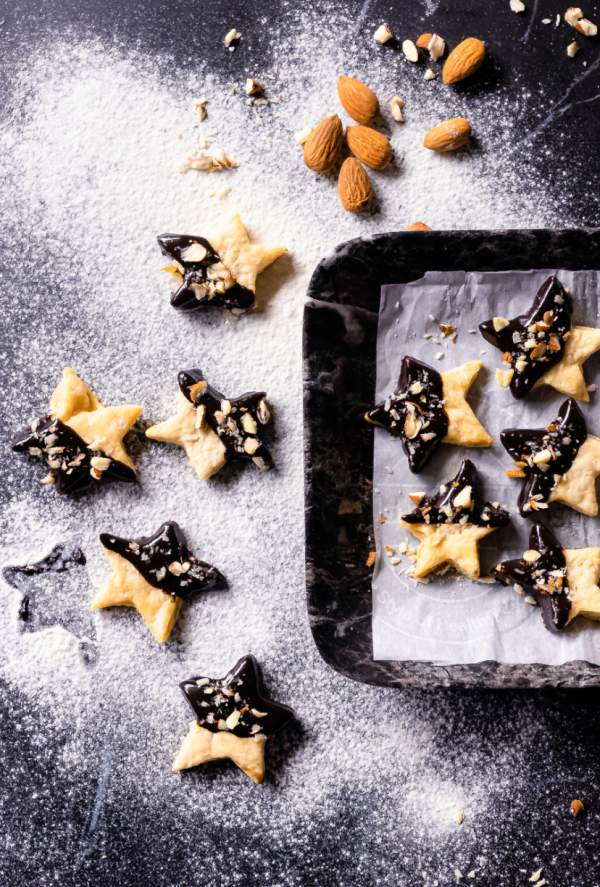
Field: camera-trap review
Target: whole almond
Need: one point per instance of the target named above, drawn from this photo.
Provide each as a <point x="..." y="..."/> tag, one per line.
<point x="448" y="136"/>
<point x="370" y="146"/>
<point x="357" y="99"/>
<point x="354" y="186"/>
<point x="464" y="60"/>
<point x="322" y="147"/>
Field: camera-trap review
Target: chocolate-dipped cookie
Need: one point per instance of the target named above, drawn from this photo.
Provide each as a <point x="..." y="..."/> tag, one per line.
<point x="451" y="522"/>
<point x="154" y="574"/>
<point x="234" y="718"/>
<point x="564" y="582"/>
<point x="429" y="408"/>
<point x="542" y="347"/>
<point x="558" y="463"/>
<point x="218" y="270"/>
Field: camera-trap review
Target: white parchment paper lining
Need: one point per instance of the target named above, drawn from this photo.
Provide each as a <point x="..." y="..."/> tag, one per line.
<point x="453" y="620"/>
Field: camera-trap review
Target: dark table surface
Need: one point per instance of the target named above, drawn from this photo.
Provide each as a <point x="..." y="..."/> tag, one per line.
<point x="354" y="837"/>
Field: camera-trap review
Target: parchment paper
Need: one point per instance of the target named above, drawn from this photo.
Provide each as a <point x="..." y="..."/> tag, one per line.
<point x="454" y="620"/>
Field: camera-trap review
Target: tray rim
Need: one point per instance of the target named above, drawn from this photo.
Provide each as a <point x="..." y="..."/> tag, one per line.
<point x="410" y="673"/>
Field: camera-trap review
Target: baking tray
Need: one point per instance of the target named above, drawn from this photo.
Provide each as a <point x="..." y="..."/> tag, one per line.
<point x="340" y="339"/>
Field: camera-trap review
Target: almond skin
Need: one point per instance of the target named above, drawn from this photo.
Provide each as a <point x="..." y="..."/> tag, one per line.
<point x="357" y="99"/>
<point x="322" y="147"/>
<point x="464" y="60"/>
<point x="370" y="146"/>
<point x="419" y="226"/>
<point x="354" y="186"/>
<point x="448" y="136"/>
<point x="423" y="40"/>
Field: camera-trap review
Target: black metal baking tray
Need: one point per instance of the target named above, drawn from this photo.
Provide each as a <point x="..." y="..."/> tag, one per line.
<point x="340" y="330"/>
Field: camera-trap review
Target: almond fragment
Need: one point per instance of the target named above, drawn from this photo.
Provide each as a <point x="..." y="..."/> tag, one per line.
<point x="410" y="51"/>
<point x="423" y="40"/>
<point x="383" y="34"/>
<point x="572" y="15"/>
<point x="419" y="226"/>
<point x="517" y="6"/>
<point x="429" y="74"/>
<point x="370" y="146"/>
<point x="354" y="186"/>
<point x="322" y="147"/>
<point x="464" y="60"/>
<point x="253" y="87"/>
<point x="371" y="558"/>
<point x="357" y="99"/>
<point x="586" y="27"/>
<point x="231" y="38"/>
<point x="448" y="136"/>
<point x="416" y="497"/>
<point x="577" y="807"/>
<point x="572" y="49"/>
<point x="515" y="472"/>
<point x="436" y="47"/>
<point x="397" y="108"/>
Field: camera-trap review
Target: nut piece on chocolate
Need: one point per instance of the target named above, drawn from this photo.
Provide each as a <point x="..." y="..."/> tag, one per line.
<point x="429" y="408"/>
<point x="450" y="523"/>
<point x="558" y="463"/>
<point x="541" y="347"/>
<point x="234" y="718"/>
<point x="154" y="574"/>
<point x="563" y="582"/>
<point x="214" y="429"/>
<point x="218" y="270"/>
<point x="80" y="441"/>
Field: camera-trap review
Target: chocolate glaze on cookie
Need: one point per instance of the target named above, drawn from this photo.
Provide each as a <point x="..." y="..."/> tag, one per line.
<point x="543" y="456"/>
<point x="414" y="412"/>
<point x="206" y="281"/>
<point x="534" y="341"/>
<point x="165" y="561"/>
<point x="541" y="572"/>
<point x="236" y="421"/>
<point x="236" y="703"/>
<point x="74" y="466"/>
<point x="457" y="502"/>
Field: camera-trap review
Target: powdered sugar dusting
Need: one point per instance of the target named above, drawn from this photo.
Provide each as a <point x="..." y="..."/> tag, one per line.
<point x="90" y="155"/>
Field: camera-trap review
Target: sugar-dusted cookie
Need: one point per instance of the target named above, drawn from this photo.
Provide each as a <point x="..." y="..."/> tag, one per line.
<point x="219" y="269"/>
<point x="214" y="429"/>
<point x="563" y="581"/>
<point x="559" y="463"/>
<point x="450" y="523"/>
<point x="234" y="718"/>
<point x="154" y="574"/>
<point x="429" y="408"/>
<point x="80" y="440"/>
<point x="541" y="347"/>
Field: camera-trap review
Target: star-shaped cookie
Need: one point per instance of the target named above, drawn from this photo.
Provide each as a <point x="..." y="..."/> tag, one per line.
<point x="564" y="582"/>
<point x="234" y="718"/>
<point x="541" y="347"/>
<point x="154" y="574"/>
<point x="429" y="408"/>
<point x="80" y="441"/>
<point x="450" y="523"/>
<point x="559" y="463"/>
<point x="214" y="429"/>
<point x="220" y="269"/>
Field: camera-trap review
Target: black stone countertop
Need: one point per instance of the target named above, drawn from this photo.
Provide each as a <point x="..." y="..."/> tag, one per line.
<point x="539" y="749"/>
